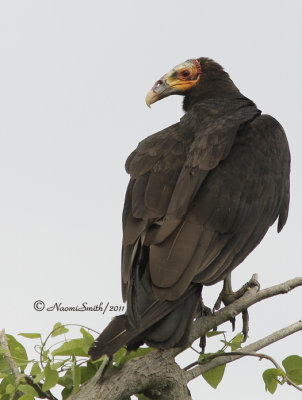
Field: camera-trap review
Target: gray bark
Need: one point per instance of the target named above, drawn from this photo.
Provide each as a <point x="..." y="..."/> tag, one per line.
<point x="158" y="376"/>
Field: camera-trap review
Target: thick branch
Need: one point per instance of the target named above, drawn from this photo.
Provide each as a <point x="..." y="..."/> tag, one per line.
<point x="157" y="374"/>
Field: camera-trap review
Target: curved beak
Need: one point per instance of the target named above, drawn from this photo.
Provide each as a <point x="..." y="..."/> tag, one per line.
<point x="160" y="90"/>
<point x="151" y="98"/>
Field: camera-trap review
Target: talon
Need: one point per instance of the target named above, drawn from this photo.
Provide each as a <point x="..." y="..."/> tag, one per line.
<point x="233" y="322"/>
<point x="228" y="296"/>
<point x="203" y="311"/>
<point x="217" y="305"/>
<point x="245" y="325"/>
<point x="203" y="343"/>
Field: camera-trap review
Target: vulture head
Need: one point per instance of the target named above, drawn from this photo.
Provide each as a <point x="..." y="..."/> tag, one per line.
<point x="192" y="78"/>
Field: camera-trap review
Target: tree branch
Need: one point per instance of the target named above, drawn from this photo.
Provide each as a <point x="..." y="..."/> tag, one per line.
<point x="9" y="358"/>
<point x="258" y="355"/>
<point x="252" y="296"/>
<point x="250" y="350"/>
<point x="17" y="374"/>
<point x="157" y="374"/>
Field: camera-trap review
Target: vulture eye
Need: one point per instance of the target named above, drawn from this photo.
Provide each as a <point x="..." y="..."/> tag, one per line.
<point x="184" y="73"/>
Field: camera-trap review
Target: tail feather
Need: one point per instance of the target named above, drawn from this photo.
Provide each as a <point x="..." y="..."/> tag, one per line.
<point x="158" y="322"/>
<point x="113" y="337"/>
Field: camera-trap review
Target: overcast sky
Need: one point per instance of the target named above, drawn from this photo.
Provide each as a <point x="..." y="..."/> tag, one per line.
<point x="73" y="78"/>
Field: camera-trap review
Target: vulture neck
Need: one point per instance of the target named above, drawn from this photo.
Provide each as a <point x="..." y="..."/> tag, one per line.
<point x="213" y="85"/>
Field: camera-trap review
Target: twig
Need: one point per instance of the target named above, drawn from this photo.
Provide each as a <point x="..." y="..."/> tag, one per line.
<point x="250" y="350"/>
<point x="15" y="370"/>
<point x="50" y="334"/>
<point x="9" y="358"/>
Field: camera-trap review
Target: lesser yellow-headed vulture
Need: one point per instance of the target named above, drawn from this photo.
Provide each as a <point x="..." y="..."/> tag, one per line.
<point x="202" y="195"/>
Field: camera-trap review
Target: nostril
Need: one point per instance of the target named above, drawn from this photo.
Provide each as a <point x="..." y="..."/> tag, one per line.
<point x="157" y="84"/>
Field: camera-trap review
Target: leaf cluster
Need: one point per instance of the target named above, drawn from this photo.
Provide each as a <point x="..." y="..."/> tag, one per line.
<point x="292" y="373"/>
<point x="65" y="363"/>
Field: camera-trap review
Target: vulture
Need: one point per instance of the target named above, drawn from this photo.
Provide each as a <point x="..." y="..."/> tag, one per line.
<point x="202" y="194"/>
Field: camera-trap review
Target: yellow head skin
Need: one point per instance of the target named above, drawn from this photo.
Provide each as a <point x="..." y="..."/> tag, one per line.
<point x="177" y="81"/>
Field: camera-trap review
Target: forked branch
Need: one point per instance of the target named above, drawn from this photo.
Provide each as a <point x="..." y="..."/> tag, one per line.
<point x="158" y="375"/>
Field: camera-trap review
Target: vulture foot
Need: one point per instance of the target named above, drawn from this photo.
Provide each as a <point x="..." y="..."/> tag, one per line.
<point x="203" y="311"/>
<point x="228" y="296"/>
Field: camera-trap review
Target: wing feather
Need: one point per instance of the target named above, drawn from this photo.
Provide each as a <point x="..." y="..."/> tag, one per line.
<point x="201" y="201"/>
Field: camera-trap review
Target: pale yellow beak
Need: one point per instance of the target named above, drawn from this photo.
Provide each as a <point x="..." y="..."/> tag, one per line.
<point x="151" y="98"/>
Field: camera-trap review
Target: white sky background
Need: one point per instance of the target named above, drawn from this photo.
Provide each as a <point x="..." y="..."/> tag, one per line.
<point x="73" y="78"/>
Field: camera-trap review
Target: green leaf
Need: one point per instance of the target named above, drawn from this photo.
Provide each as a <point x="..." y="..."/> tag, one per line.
<point x="141" y="351"/>
<point x="87" y="372"/>
<point x="205" y="357"/>
<point x="296" y="376"/>
<point x="26" y="397"/>
<point x="66" y="380"/>
<point x="236" y="342"/>
<point x="10" y="389"/>
<point x="51" y="378"/>
<point x="214" y="376"/>
<point x="229" y="344"/>
<point x="293" y="368"/>
<point x="4" y="365"/>
<point x="27" y="389"/>
<point x="66" y="393"/>
<point x="292" y="362"/>
<point x="7" y="380"/>
<point x="73" y="347"/>
<point x="58" y="329"/>
<point x="58" y="364"/>
<point x="121" y="355"/>
<point x="39" y="377"/>
<point x="87" y="339"/>
<point x="5" y="397"/>
<point x="3" y="384"/>
<point x="270" y="377"/>
<point x="45" y="355"/>
<point x="214" y="333"/>
<point x="76" y="376"/>
<point x="17" y="351"/>
<point x="35" y="369"/>
<point x="141" y="396"/>
<point x="30" y="335"/>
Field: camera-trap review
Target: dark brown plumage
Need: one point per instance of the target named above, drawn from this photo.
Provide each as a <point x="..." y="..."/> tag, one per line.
<point x="202" y="195"/>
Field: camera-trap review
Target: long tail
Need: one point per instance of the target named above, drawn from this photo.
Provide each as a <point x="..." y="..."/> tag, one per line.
<point x="113" y="337"/>
<point x="164" y="324"/>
